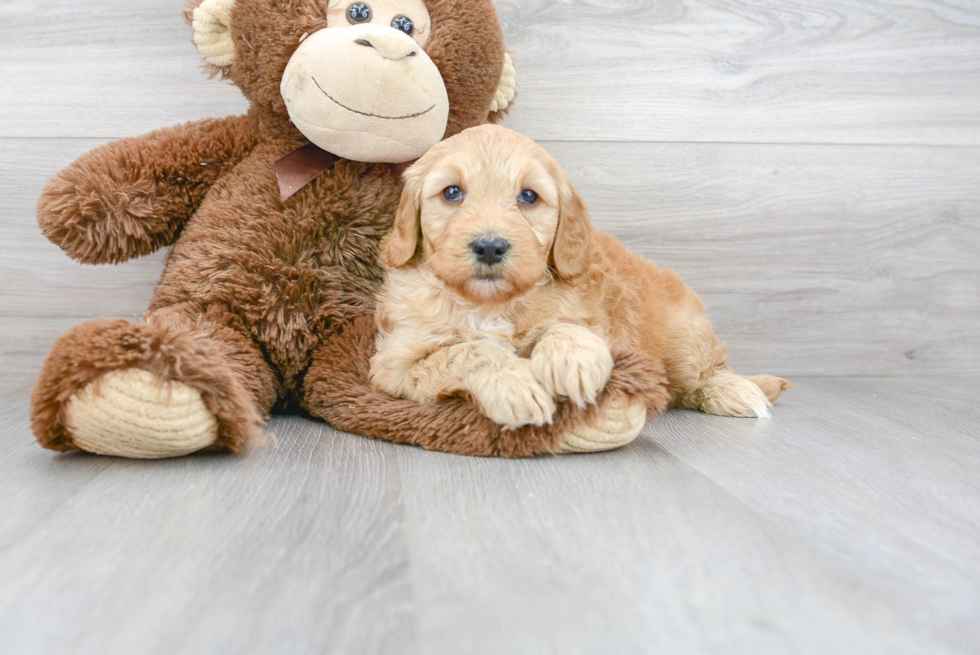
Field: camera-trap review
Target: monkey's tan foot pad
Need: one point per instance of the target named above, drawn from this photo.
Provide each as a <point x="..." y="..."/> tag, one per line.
<point x="133" y="413"/>
<point x="619" y="424"/>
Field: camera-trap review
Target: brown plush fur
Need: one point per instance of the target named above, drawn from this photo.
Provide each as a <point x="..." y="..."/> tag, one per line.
<point x="131" y="197"/>
<point x="211" y="363"/>
<point x="339" y="391"/>
<point x="253" y="288"/>
<point x="518" y="333"/>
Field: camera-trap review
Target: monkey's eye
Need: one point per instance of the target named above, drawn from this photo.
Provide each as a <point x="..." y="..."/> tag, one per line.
<point x="528" y="197"/>
<point x="358" y="13"/>
<point x="403" y="23"/>
<point x="452" y="194"/>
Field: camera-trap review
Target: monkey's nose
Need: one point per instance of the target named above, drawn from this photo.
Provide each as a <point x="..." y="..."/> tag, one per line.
<point x="389" y="48"/>
<point x="490" y="250"/>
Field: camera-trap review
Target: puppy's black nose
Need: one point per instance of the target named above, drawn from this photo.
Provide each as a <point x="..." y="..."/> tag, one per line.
<point x="490" y="251"/>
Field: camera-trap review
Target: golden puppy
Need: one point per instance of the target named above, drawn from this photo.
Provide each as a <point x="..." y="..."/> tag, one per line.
<point x="498" y="286"/>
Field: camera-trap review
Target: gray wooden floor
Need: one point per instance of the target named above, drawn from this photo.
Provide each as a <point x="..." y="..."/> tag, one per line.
<point x="848" y="523"/>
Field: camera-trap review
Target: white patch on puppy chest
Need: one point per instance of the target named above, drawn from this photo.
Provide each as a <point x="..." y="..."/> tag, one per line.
<point x="490" y="325"/>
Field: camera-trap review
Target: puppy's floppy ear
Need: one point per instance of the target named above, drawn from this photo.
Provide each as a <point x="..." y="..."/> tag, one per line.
<point x="403" y="240"/>
<point x="573" y="239"/>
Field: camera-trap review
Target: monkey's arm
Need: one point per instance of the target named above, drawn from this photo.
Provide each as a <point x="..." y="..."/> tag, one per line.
<point x="131" y="197"/>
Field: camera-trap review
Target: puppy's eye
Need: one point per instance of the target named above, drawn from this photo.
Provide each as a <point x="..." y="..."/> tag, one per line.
<point x="528" y="197"/>
<point x="452" y="194"/>
<point x="358" y="13"/>
<point x="403" y="24"/>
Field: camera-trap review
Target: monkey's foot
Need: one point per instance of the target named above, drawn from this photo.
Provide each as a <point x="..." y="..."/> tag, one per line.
<point x="619" y="423"/>
<point x="133" y="413"/>
<point x="144" y="390"/>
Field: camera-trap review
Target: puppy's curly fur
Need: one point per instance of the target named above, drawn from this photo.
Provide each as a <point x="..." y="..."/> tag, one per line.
<point x="538" y="324"/>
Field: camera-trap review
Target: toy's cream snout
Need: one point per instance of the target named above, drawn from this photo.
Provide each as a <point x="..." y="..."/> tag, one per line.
<point x="367" y="93"/>
<point x="390" y="45"/>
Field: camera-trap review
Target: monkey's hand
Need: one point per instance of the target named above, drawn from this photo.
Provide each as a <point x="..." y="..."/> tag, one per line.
<point x="131" y="197"/>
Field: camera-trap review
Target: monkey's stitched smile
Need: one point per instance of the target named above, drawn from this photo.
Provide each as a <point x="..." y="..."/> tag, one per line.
<point x="364" y="113"/>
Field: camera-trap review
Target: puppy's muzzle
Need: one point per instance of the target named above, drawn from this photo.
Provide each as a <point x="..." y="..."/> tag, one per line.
<point x="490" y="250"/>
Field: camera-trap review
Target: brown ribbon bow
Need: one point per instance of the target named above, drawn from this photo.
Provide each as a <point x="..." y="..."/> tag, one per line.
<point x="305" y="164"/>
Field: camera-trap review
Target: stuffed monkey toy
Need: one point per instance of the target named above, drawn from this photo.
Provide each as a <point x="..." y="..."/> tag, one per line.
<point x="273" y="220"/>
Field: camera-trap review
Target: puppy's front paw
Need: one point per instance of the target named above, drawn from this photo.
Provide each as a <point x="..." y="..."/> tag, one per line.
<point x="570" y="360"/>
<point x="514" y="398"/>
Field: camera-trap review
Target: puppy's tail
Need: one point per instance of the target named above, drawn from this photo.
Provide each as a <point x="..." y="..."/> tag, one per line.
<point x="727" y="393"/>
<point x="770" y="385"/>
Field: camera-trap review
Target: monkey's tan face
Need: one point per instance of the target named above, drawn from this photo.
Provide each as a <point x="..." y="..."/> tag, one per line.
<point x="364" y="88"/>
<point x="489" y="210"/>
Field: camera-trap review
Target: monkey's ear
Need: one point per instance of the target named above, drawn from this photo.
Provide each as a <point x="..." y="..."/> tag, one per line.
<point x="400" y="245"/>
<point x="211" y="23"/>
<point x="573" y="240"/>
<point x="506" y="90"/>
